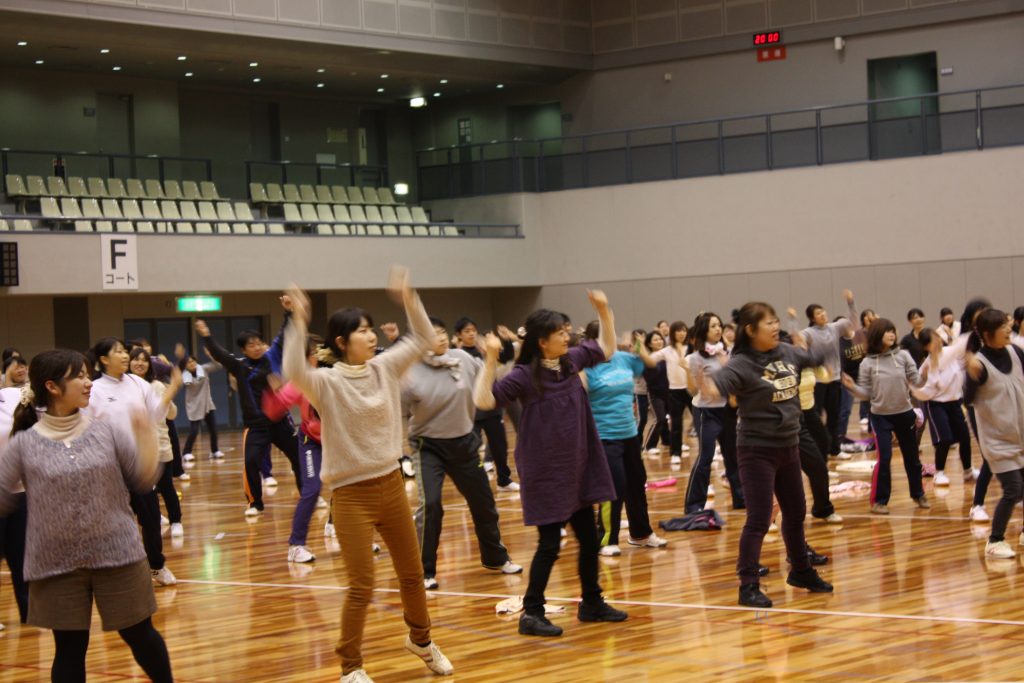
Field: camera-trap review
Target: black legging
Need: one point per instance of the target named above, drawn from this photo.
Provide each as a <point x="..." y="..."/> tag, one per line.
<point x="829" y="397"/>
<point x="165" y="487"/>
<point x="193" y="432"/>
<point x="985" y="476"/>
<point x="659" y="404"/>
<point x="146" y="643"/>
<point x="678" y="401"/>
<point x="177" y="467"/>
<point x="12" y="548"/>
<point x="146" y="507"/>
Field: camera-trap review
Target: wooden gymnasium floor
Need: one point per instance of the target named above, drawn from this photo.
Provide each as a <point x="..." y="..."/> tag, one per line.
<point x="915" y="600"/>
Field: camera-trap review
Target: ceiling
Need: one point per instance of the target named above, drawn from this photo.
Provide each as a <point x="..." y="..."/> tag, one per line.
<point x="223" y="61"/>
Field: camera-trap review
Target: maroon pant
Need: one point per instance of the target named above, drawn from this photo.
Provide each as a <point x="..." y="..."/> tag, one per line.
<point x="764" y="471"/>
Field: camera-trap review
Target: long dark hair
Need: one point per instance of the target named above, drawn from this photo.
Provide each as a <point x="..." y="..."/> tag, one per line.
<point x="49" y="366"/>
<point x="876" y="333"/>
<point x="1018" y="318"/>
<point x="676" y="326"/>
<point x="343" y="323"/>
<point x="650" y="335"/>
<point x="751" y="314"/>
<point x="974" y="308"/>
<point x="987" y="323"/>
<point x="139" y="351"/>
<point x="539" y="325"/>
<point x="701" y="327"/>
<point x="101" y="348"/>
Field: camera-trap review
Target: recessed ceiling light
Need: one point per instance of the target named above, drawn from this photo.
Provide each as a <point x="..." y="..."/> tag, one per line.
<point x="182" y="58"/>
<point x="417" y="102"/>
<point x="380" y="89"/>
<point x="39" y="61"/>
<point x="444" y="81"/>
<point x="256" y="80"/>
<point x="321" y="70"/>
<point x="105" y="51"/>
<point x="320" y="85"/>
<point x="22" y="43"/>
<point x="116" y="68"/>
<point x="254" y="64"/>
<point x="384" y="75"/>
<point x="437" y="94"/>
<point x="500" y="86"/>
<point x="188" y="74"/>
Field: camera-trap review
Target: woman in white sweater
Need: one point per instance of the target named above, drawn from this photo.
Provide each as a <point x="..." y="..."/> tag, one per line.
<point x="359" y="402"/>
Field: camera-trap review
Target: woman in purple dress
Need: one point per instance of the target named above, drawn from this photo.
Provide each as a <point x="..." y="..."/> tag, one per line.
<point x="562" y="467"/>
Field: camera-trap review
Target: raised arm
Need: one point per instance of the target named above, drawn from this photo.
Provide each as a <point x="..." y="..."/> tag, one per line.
<point x="296" y="369"/>
<point x="215" y="350"/>
<point x="483" y="389"/>
<point x="606" y="337"/>
<point x="420" y="337"/>
<point x="274" y="352"/>
<point x="640" y="349"/>
<point x="851" y="309"/>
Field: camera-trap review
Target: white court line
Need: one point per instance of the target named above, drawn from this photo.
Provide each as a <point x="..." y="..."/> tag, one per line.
<point x="643" y="603"/>
<point x="738" y="513"/>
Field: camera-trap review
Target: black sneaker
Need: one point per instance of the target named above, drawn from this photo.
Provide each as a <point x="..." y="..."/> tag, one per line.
<point x="762" y="570"/>
<point x="809" y="579"/>
<point x="814" y="558"/>
<point x="751" y="596"/>
<point x="601" y="611"/>
<point x="530" y="625"/>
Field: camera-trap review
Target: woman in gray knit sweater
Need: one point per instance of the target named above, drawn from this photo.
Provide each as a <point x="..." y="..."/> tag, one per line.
<point x="82" y="542"/>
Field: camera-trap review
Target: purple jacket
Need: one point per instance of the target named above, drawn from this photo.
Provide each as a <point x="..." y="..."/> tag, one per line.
<point x="559" y="456"/>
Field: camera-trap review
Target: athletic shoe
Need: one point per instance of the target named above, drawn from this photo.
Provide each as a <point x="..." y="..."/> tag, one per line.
<point x="431" y="655"/>
<point x="177" y="531"/>
<point x="972" y="473"/>
<point x="357" y="676"/>
<point x="163" y="577"/>
<point x="601" y="611"/>
<point x="809" y="579"/>
<point x="978" y="514"/>
<point x="864" y="424"/>
<point x="1000" y="550"/>
<point x="407" y="469"/>
<point x="218" y="455"/>
<point x="815" y="559"/>
<point x="188" y="457"/>
<point x="530" y="625"/>
<point x="300" y="554"/>
<point x="843" y="455"/>
<point x="329" y="530"/>
<point x="879" y="509"/>
<point x="164" y="521"/>
<point x="321" y="504"/>
<point x="773" y="527"/>
<point x="563" y="533"/>
<point x="269" y="481"/>
<point x="751" y="596"/>
<point x="652" y="541"/>
<point x="675" y="460"/>
<point x="923" y="503"/>
<point x="488" y="466"/>
<point x="834" y="518"/>
<point x="854" y="447"/>
<point x="509" y="567"/>
<point x="941" y="479"/>
<point x="711" y="491"/>
<point x="252" y="511"/>
<point x="609" y="551"/>
<point x="653" y="452"/>
<point x="509" y="487"/>
<point x="184" y="476"/>
<point x="763" y="570"/>
<point x="430" y="583"/>
<point x="376" y="547"/>
<point x="684" y="448"/>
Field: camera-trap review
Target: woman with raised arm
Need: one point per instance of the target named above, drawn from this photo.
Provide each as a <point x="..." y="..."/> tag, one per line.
<point x="764" y="376"/>
<point x="679" y="398"/>
<point x="559" y="457"/>
<point x="359" y="403"/>
<point x="69" y="462"/>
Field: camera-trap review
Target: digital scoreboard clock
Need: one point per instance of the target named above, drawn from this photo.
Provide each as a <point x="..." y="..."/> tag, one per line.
<point x="768" y="38"/>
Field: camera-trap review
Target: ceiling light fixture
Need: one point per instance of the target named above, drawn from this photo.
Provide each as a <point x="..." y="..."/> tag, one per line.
<point x="418" y="102"/>
<point x="39" y="61"/>
<point x="116" y="68"/>
<point x="188" y="74"/>
<point x="182" y="58"/>
<point x="384" y="75"/>
<point x="256" y="80"/>
<point x="380" y="89"/>
<point x="22" y="43"/>
<point x="254" y="64"/>
<point x="437" y="94"/>
<point x="500" y="86"/>
<point x="105" y="51"/>
<point x="444" y="81"/>
<point x="321" y="70"/>
<point x="320" y="85"/>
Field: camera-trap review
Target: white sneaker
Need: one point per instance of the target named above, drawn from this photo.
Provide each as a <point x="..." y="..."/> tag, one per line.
<point x="357" y="676"/>
<point x="184" y="476"/>
<point x="269" y="481"/>
<point x="488" y="466"/>
<point x="675" y="460"/>
<point x="407" y="469"/>
<point x="864" y="424"/>
<point x="177" y="530"/>
<point x="563" y="533"/>
<point x="684" y="448"/>
<point x="430" y="583"/>
<point x="509" y="487"/>
<point x="609" y="551"/>
<point x="773" y="527"/>
<point x="652" y="541"/>
<point x="653" y="452"/>
<point x="1000" y="550"/>
<point x="163" y="577"/>
<point x="834" y="518"/>
<point x="972" y="473"/>
<point x="300" y="553"/>
<point x="844" y="455"/>
<point x="321" y="504"/>
<point x="329" y="530"/>
<point x="978" y="514"/>
<point x="188" y="457"/>
<point x="431" y="656"/>
<point x="164" y="521"/>
<point x="509" y="567"/>
<point x="251" y="511"/>
<point x="940" y="479"/>
<point x="711" y="491"/>
<point x="218" y="455"/>
<point x="376" y="548"/>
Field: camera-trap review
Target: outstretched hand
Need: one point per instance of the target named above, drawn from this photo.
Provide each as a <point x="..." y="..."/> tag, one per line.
<point x="296" y="301"/>
<point x="202" y="329"/>
<point x="398" y="287"/>
<point x="492" y="345"/>
<point x="597" y="299"/>
<point x="848" y="295"/>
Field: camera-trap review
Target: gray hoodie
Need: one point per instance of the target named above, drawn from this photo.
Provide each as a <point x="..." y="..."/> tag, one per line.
<point x="885" y="379"/>
<point x="826" y="338"/>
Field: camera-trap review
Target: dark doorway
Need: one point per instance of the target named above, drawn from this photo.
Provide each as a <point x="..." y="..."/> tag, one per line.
<point x="910" y="126"/>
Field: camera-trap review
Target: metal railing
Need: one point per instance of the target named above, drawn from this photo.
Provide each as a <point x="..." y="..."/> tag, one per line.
<point x="64" y="225"/>
<point x="931" y="123"/>
<point x="316" y="174"/>
<point x="93" y="164"/>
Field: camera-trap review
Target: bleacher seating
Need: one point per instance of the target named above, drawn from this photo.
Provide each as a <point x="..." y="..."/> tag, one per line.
<point x="152" y="206"/>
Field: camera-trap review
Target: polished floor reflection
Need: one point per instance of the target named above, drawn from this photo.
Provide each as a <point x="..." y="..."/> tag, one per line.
<point x="915" y="599"/>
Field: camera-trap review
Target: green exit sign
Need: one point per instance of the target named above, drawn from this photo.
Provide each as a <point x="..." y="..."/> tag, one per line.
<point x="198" y="304"/>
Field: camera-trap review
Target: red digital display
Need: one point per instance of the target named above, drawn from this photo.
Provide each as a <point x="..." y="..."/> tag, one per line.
<point x="769" y="38"/>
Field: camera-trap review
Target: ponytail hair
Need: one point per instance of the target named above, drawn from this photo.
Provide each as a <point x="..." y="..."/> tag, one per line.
<point x="750" y="315"/>
<point x="1018" y="319"/>
<point x="100" y="349"/>
<point x="49" y="366"/>
<point x="987" y="322"/>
